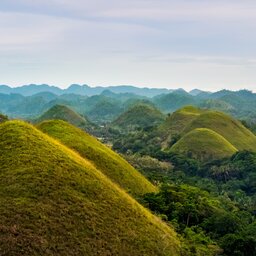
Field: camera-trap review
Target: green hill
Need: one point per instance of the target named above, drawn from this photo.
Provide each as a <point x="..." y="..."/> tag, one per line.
<point x="140" y="115"/>
<point x="231" y="129"/>
<point x="175" y="124"/>
<point x="173" y="101"/>
<point x="53" y="202"/>
<point x="106" y="160"/>
<point x="62" y="112"/>
<point x="204" y="144"/>
<point x="189" y="118"/>
<point x="178" y="120"/>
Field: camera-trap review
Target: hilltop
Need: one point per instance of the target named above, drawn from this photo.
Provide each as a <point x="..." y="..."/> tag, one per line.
<point x="139" y="116"/>
<point x="104" y="104"/>
<point x="174" y="100"/>
<point x="204" y="144"/>
<point x="62" y="112"/>
<point x="207" y="134"/>
<point x="178" y="120"/>
<point x="177" y="131"/>
<point x="106" y="160"/>
<point x="53" y="202"/>
<point x="230" y="128"/>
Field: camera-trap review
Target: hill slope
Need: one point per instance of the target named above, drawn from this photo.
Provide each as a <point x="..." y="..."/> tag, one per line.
<point x="179" y="120"/>
<point x="231" y="129"/>
<point x="204" y="144"/>
<point x="189" y="118"/>
<point x="53" y="202"/>
<point x="141" y="115"/>
<point x="106" y="160"/>
<point x="61" y="112"/>
<point x="173" y="101"/>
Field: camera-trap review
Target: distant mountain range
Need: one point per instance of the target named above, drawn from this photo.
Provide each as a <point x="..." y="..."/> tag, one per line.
<point x="31" y="89"/>
<point x="104" y="104"/>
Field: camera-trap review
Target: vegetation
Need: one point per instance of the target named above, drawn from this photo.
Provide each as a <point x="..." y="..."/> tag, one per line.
<point x="62" y="192"/>
<point x="173" y="101"/>
<point x="106" y="160"/>
<point x="139" y="116"/>
<point x="155" y="170"/>
<point x="61" y="112"/>
<point x="211" y="204"/>
<point x="204" y="144"/>
<point x="202" y="134"/>
<point x="3" y="118"/>
<point x="208" y="194"/>
<point x="54" y="202"/>
<point x="205" y="221"/>
<point x="231" y="129"/>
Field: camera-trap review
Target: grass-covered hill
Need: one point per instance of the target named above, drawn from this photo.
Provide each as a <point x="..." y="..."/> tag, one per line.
<point x="221" y="135"/>
<point x="54" y="202"/>
<point x="106" y="160"/>
<point x="178" y="120"/>
<point x="231" y="129"/>
<point x="204" y="144"/>
<point x="183" y="125"/>
<point x="62" y="112"/>
<point x="139" y="116"/>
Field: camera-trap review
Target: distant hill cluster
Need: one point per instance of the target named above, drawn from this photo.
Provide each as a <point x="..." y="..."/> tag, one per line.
<point x="102" y="105"/>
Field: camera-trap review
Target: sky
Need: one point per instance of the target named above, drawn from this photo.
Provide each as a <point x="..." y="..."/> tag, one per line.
<point x="205" y="44"/>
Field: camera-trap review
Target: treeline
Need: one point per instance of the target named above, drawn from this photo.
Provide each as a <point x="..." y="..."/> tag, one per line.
<point x="211" y="205"/>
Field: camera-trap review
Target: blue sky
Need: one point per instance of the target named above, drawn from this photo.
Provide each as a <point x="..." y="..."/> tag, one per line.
<point x="155" y="43"/>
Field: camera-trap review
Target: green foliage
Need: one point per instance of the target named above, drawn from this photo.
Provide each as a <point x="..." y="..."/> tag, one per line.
<point x="172" y="101"/>
<point x="144" y="141"/>
<point x="105" y="110"/>
<point x="239" y="245"/>
<point x="3" y="118"/>
<point x="54" y="202"/>
<point x="61" y="112"/>
<point x="232" y="130"/>
<point x="139" y="116"/>
<point x="106" y="160"/>
<point x="205" y="222"/>
<point x="186" y="207"/>
<point x="200" y="134"/>
<point x="155" y="170"/>
<point x="205" y="135"/>
<point x="204" y="145"/>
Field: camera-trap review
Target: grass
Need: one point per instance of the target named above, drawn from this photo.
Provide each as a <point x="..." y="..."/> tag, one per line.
<point x="54" y="202"/>
<point x="231" y="129"/>
<point x="106" y="160"/>
<point x="61" y="112"/>
<point x="176" y="123"/>
<point x="189" y="118"/>
<point x="204" y="144"/>
<point x="140" y="115"/>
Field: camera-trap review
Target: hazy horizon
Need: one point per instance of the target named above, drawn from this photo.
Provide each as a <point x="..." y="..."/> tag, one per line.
<point x="116" y="85"/>
<point x="157" y="44"/>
